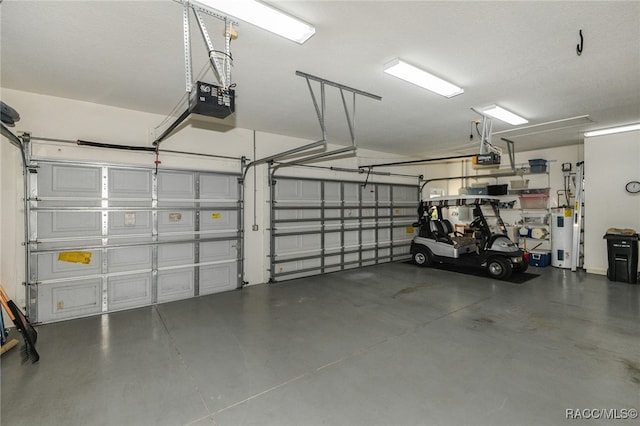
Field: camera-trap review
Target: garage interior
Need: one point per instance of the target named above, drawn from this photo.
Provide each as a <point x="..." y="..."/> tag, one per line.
<point x="209" y="223"/>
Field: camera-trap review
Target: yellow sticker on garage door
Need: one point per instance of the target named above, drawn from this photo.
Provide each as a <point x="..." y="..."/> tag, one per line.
<point x="216" y="216"/>
<point x="83" y="257"/>
<point x="410" y="230"/>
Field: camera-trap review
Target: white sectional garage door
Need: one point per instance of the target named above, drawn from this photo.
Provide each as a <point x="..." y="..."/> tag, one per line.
<point x="320" y="226"/>
<point x="106" y="238"/>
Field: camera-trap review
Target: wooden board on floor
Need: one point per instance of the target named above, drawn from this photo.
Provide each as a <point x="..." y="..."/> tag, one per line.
<point x="10" y="344"/>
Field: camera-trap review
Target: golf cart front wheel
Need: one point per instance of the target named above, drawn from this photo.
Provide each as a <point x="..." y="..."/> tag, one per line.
<point x="422" y="257"/>
<point x="499" y="268"/>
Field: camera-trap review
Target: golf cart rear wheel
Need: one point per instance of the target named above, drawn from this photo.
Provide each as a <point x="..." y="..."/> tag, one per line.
<point x="422" y="257"/>
<point x="499" y="268"/>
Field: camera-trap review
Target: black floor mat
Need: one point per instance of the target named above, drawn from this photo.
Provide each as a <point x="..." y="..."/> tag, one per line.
<point x="515" y="278"/>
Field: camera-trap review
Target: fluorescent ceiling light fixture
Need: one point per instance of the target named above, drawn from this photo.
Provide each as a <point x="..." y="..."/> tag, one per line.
<point x="404" y="71"/>
<point x="612" y="130"/>
<point x="500" y="113"/>
<point x="265" y="17"/>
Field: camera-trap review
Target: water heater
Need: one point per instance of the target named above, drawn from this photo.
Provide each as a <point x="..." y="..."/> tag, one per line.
<point x="561" y="238"/>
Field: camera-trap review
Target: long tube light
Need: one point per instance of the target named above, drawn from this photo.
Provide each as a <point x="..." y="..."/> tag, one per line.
<point x="612" y="130"/>
<point x="265" y="17"/>
<point x="502" y="114"/>
<point x="414" y="75"/>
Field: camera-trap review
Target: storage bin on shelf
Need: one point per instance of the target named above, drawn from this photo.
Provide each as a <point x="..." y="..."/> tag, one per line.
<point x="538" y="165"/>
<point x="535" y="218"/>
<point x="519" y="183"/>
<point x="533" y="201"/>
<point x="497" y="189"/>
<point x="477" y="191"/>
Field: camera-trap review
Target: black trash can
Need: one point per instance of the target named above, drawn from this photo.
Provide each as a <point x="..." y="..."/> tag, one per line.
<point x="622" y="249"/>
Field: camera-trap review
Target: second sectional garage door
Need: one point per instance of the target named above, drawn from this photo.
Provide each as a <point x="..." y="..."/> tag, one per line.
<point x="106" y="238"/>
<point x="320" y="226"/>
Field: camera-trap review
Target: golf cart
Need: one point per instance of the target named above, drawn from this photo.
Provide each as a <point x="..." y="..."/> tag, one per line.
<point x="438" y="242"/>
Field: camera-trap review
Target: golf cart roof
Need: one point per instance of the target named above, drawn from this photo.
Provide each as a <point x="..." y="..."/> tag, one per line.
<point x="460" y="200"/>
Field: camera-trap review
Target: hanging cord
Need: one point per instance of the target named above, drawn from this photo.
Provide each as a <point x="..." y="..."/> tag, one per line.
<point x="366" y="180"/>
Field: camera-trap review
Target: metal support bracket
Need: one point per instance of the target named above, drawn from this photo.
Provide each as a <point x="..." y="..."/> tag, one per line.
<point x="320" y="110"/>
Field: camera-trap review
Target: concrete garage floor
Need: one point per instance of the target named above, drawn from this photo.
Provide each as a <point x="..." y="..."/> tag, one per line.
<point x="391" y="344"/>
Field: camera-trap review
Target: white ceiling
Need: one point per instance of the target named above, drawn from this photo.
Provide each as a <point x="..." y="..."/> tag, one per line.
<point x="521" y="55"/>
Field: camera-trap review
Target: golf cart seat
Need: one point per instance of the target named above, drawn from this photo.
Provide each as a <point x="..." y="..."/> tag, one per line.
<point x="457" y="240"/>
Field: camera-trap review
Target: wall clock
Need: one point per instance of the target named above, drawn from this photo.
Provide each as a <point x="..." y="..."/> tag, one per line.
<point x="633" y="187"/>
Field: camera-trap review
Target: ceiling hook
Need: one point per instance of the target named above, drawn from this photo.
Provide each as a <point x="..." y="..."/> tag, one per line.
<point x="580" y="46"/>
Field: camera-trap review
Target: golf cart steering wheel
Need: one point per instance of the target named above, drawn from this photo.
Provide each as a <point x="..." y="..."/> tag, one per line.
<point x="475" y="222"/>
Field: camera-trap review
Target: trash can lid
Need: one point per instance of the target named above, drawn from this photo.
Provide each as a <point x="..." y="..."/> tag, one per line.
<point x="621" y="232"/>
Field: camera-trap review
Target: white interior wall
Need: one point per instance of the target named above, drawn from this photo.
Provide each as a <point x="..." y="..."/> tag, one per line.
<point x="65" y="119"/>
<point x="611" y="161"/>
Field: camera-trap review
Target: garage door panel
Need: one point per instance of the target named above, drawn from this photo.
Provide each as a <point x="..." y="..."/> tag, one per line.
<point x="130" y="187"/>
<point x="401" y="234"/>
<point x="368" y="194"/>
<point x="66" y="264"/>
<point x="405" y="194"/>
<point x="129" y="291"/>
<point x="333" y="260"/>
<point x="176" y="185"/>
<point x="351" y="193"/>
<point x="69" y="299"/>
<point x="129" y="258"/>
<point x="351" y="238"/>
<point x="218" y="220"/>
<point x="175" y="254"/>
<point x="175" y="284"/>
<point x="351" y="257"/>
<point x="285" y="215"/>
<point x="132" y="222"/>
<point x="217" y="278"/>
<point x="69" y="224"/>
<point x="332" y="241"/>
<point x="368" y="212"/>
<point x="57" y="180"/>
<point x="384" y="194"/>
<point x="134" y="237"/>
<point x="218" y="250"/>
<point x="293" y="266"/>
<point x="406" y="211"/>
<point x="287" y="244"/>
<point x="356" y="222"/>
<point x="333" y="214"/>
<point x="176" y="221"/>
<point x="401" y="252"/>
<point x="368" y="236"/>
<point x="297" y="190"/>
<point x="332" y="192"/>
<point x="218" y="187"/>
<point x="297" y="243"/>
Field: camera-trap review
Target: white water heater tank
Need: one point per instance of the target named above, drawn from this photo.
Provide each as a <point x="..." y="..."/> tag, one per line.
<point x="561" y="238"/>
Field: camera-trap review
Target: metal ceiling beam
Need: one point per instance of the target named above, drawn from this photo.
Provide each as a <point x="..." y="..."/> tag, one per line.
<point x="313" y="158"/>
<point x="320" y="110"/>
<point x="425" y="160"/>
